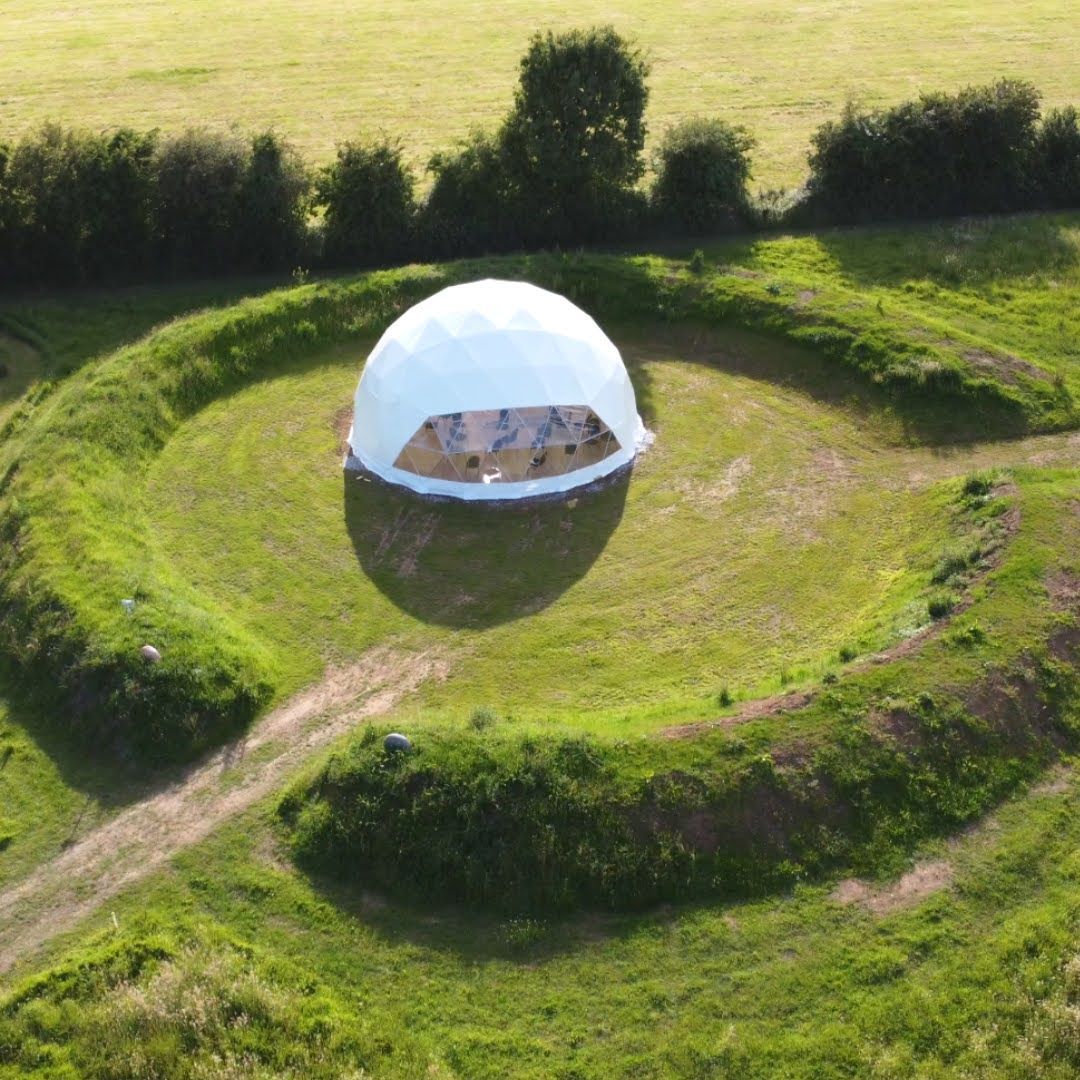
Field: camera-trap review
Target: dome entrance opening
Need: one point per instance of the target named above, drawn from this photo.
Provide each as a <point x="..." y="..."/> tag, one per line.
<point x="508" y="446"/>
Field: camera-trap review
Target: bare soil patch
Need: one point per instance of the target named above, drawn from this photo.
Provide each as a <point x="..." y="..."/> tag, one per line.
<point x="1057" y="782"/>
<point x="342" y="424"/>
<point x="139" y="840"/>
<point x="922" y="880"/>
<point x="1005" y="366"/>
<point x="752" y="710"/>
<point x="1064" y="589"/>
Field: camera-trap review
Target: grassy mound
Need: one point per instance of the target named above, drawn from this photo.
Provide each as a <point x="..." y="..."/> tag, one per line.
<point x="191" y="1002"/>
<point x="75" y="539"/>
<point x="76" y="518"/>
<point x="971" y="972"/>
<point x="854" y="777"/>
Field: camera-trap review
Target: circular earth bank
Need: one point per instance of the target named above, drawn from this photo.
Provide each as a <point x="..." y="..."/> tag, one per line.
<point x="767" y="539"/>
<point x="782" y="537"/>
<point x="764" y="534"/>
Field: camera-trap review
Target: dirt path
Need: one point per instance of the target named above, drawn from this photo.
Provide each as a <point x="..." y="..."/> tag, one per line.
<point x="61" y="892"/>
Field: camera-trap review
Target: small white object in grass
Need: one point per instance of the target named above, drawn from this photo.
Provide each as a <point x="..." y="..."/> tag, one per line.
<point x="148" y="652"/>
<point x="128" y="605"/>
<point x="396" y="741"/>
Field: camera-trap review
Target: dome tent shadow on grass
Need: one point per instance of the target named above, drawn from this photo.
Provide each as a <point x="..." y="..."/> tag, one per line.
<point x="517" y="560"/>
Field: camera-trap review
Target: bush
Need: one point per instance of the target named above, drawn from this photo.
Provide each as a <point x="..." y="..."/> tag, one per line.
<point x="702" y="168"/>
<point x="200" y="176"/>
<point x="367" y="197"/>
<point x="272" y="205"/>
<point x="121" y="231"/>
<point x="471" y="206"/>
<point x="965" y="153"/>
<point x="1056" y="164"/>
<point x="76" y="205"/>
<point x="483" y="717"/>
<point x="575" y="136"/>
<point x="47" y="215"/>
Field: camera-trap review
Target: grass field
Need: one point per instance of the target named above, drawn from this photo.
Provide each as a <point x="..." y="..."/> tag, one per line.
<point x="732" y="552"/>
<point x="789" y="517"/>
<point x="550" y="606"/>
<point x="322" y="71"/>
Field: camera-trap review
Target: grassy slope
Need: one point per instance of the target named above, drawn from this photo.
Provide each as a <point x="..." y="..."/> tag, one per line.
<point x="969" y="981"/>
<point x="1010" y="286"/>
<point x="49" y="791"/>
<point x="322" y="71"/>
<point x="21" y="365"/>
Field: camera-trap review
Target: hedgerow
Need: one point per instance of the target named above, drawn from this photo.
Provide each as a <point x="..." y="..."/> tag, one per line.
<point x="972" y="152"/>
<point x="564" y="168"/>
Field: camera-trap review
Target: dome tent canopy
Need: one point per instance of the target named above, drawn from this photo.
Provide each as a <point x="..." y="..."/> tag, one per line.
<point x="494" y="390"/>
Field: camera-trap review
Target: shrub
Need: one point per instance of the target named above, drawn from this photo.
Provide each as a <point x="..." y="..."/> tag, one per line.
<point x="46" y="224"/>
<point x="272" y="205"/>
<point x="575" y="136"/>
<point x="1056" y="158"/>
<point x="941" y="154"/>
<point x="470" y="208"/>
<point x="483" y="717"/>
<point x="74" y="204"/>
<point x="950" y="565"/>
<point x="979" y="486"/>
<point x="368" y="203"/>
<point x="200" y="176"/>
<point x="522" y="933"/>
<point x="940" y="604"/>
<point x="120" y="236"/>
<point x="702" y="168"/>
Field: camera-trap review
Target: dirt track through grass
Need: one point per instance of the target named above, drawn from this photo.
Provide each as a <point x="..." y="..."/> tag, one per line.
<point x="141" y="838"/>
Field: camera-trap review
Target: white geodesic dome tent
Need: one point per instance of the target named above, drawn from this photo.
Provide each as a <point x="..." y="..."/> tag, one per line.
<point x="494" y="390"/>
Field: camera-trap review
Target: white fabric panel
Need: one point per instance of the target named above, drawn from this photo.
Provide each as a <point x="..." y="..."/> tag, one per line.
<point x="489" y="345"/>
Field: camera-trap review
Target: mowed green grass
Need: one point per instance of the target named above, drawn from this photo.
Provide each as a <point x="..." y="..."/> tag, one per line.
<point x="761" y="534"/>
<point x="426" y="72"/>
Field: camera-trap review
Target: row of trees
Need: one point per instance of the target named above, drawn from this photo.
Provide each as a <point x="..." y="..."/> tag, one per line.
<point x="565" y="167"/>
